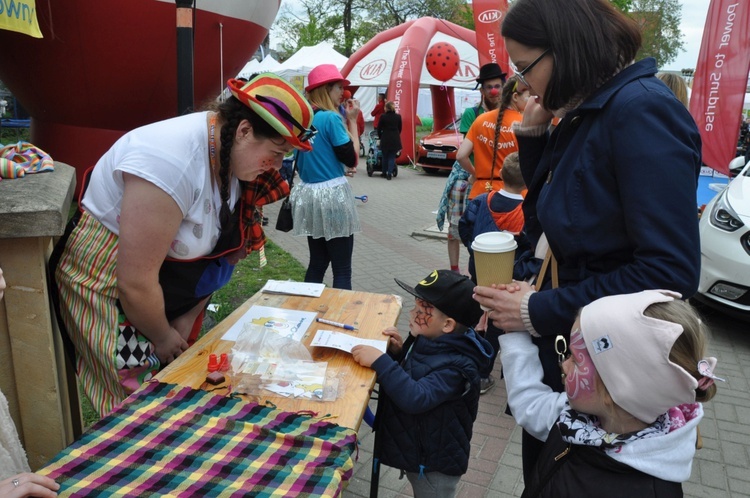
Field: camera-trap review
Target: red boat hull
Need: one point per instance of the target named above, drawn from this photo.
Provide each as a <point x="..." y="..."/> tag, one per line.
<point x="105" y="67"/>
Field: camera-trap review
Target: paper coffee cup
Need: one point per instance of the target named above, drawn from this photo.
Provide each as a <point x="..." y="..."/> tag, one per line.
<point x="493" y="257"/>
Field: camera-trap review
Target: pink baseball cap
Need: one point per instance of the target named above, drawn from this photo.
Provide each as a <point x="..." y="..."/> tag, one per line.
<point x="631" y="353"/>
<point x="322" y="74"/>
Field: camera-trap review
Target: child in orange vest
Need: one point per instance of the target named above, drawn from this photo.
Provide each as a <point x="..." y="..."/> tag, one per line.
<point x="498" y="210"/>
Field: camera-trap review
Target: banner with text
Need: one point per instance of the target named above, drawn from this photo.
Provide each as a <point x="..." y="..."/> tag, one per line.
<point x="19" y="16"/>
<point x="488" y="14"/>
<point x="720" y="80"/>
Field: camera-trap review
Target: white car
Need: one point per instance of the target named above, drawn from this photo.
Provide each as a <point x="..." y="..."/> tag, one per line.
<point x="725" y="247"/>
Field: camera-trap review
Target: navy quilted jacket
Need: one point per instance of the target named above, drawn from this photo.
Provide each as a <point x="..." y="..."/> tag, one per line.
<point x="428" y="402"/>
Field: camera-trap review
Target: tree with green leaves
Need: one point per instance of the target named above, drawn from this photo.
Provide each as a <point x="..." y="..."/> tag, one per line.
<point x="349" y="24"/>
<point x="659" y="21"/>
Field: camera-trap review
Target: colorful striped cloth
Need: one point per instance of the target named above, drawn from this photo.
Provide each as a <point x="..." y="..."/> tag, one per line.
<point x="21" y="158"/>
<point x="177" y="441"/>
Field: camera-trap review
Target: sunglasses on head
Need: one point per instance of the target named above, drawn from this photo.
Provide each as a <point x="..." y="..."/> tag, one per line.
<point x="306" y="133"/>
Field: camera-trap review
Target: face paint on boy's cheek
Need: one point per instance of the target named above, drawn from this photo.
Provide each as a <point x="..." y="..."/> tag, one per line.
<point x="423" y="314"/>
<point x="581" y="376"/>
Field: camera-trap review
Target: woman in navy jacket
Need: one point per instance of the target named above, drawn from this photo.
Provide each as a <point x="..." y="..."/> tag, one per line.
<point x="612" y="187"/>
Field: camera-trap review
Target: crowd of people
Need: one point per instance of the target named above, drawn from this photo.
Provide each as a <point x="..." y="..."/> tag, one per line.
<point x="602" y="266"/>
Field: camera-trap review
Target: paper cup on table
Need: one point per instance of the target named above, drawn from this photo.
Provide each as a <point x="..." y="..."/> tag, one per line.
<point x="493" y="258"/>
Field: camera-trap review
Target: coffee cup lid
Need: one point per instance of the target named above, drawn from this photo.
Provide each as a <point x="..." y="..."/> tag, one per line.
<point x="494" y="242"/>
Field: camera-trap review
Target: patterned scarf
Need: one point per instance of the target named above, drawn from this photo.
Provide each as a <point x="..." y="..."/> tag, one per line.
<point x="584" y="430"/>
<point x="267" y="188"/>
<point x="457" y="174"/>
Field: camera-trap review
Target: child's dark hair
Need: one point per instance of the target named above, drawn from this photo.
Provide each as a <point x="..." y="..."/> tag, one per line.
<point x="511" y="172"/>
<point x="690" y="347"/>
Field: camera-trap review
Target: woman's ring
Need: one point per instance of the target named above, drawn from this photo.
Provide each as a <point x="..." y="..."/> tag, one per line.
<point x="15" y="482"/>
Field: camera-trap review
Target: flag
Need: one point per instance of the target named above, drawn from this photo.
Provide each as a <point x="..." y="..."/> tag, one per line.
<point x="720" y="80"/>
<point x="19" y="16"/>
<point x="488" y="14"/>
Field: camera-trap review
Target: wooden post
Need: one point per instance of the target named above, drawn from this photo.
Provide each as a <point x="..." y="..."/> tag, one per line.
<point x="41" y="391"/>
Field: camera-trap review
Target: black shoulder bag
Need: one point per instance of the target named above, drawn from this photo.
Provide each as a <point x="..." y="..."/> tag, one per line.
<point x="285" y="222"/>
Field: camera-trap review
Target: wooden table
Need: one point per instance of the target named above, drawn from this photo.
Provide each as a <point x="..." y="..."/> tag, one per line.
<point x="371" y="313"/>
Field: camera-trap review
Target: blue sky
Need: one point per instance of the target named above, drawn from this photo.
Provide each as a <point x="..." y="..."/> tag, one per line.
<point x="693" y="21"/>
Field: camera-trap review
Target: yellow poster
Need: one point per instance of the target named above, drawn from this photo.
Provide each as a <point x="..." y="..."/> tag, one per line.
<point x="20" y="16"/>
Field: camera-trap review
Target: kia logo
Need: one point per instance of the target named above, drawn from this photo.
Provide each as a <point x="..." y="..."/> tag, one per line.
<point x="467" y="71"/>
<point x="489" y="16"/>
<point x="373" y="69"/>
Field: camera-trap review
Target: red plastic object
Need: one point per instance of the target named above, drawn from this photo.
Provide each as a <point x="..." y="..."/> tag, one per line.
<point x="223" y="363"/>
<point x="213" y="364"/>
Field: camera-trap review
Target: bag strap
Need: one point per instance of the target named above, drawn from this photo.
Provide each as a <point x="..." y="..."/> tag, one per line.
<point x="294" y="169"/>
<point x="549" y="257"/>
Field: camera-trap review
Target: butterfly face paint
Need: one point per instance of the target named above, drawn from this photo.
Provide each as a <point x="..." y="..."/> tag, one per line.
<point x="580" y="372"/>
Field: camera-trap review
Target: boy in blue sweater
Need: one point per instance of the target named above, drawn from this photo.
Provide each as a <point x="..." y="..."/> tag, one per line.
<point x="429" y="385"/>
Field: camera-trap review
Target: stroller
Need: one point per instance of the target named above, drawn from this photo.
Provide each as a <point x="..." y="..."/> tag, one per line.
<point x="375" y="155"/>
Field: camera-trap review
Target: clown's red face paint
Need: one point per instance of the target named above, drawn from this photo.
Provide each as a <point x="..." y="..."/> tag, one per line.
<point x="253" y="155"/>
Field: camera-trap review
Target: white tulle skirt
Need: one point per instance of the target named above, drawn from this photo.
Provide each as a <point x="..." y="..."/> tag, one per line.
<point x="324" y="209"/>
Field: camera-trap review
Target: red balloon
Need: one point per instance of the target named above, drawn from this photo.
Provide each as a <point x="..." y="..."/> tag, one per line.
<point x="442" y="61"/>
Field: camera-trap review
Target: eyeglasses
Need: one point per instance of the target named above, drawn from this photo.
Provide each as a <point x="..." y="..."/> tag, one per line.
<point x="521" y="74"/>
<point x="306" y="133"/>
<point x="497" y="86"/>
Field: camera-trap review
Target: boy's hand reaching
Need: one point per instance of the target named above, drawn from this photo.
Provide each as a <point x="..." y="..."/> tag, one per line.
<point x="395" y="341"/>
<point x="365" y="355"/>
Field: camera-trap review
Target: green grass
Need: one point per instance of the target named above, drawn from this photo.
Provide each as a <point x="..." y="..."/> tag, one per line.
<point x="10" y="136"/>
<point x="248" y="278"/>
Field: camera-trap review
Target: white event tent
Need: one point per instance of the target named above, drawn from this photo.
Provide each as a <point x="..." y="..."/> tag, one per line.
<point x="306" y="58"/>
<point x="269" y="64"/>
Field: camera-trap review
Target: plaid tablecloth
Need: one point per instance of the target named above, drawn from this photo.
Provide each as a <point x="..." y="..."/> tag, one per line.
<point x="168" y="440"/>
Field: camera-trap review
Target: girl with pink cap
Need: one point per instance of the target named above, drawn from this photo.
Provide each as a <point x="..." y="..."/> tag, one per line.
<point x="634" y="373"/>
<point x="323" y="201"/>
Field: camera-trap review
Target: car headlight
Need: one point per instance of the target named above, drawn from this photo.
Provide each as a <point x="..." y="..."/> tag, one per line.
<point x="421" y="143"/>
<point x="723" y="216"/>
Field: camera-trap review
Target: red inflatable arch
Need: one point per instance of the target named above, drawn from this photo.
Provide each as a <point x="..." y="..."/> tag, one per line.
<point x="406" y="73"/>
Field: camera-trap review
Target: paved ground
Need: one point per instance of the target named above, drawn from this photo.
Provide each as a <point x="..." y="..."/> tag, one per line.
<point x="397" y="242"/>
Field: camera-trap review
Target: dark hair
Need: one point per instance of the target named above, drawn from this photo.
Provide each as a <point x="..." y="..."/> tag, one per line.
<point x="589" y="41"/>
<point x="231" y="113"/>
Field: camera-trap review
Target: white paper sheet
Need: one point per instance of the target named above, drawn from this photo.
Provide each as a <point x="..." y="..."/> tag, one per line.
<point x="344" y="342"/>
<point x="293" y="288"/>
<point x="288" y="323"/>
